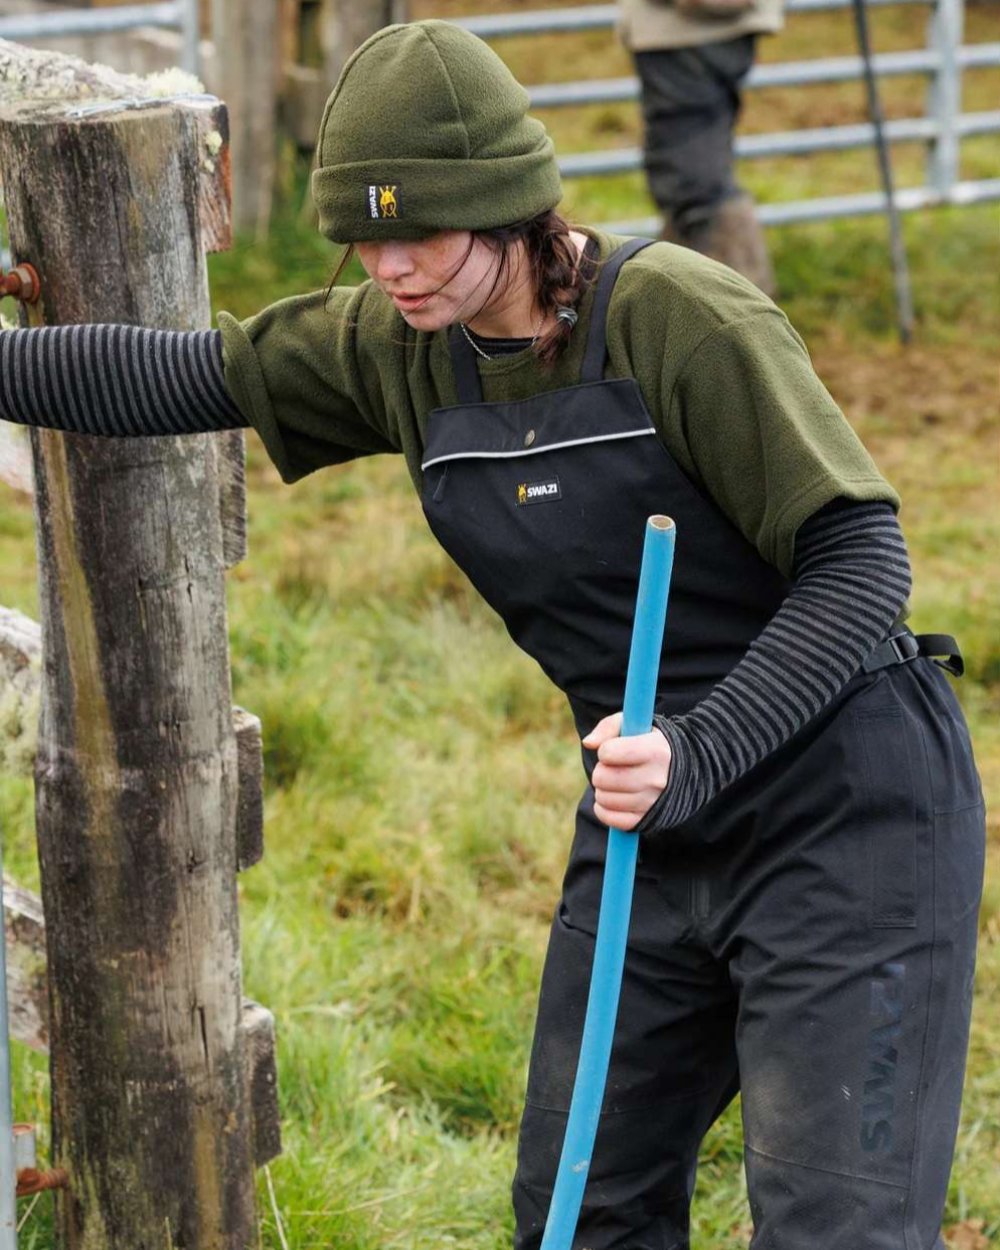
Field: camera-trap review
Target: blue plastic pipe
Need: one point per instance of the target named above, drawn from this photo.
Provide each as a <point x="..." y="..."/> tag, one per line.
<point x="616" y="899"/>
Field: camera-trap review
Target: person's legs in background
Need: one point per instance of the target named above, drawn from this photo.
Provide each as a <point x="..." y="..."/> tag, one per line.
<point x="690" y="102"/>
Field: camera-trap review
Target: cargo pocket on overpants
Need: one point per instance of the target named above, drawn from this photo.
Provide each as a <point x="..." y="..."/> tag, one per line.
<point x="890" y="759"/>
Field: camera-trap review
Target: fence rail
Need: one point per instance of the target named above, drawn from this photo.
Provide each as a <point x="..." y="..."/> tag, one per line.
<point x="793" y="142"/>
<point x="173" y="14"/>
<point x="942" y="128"/>
<point x="602" y="16"/>
<point x="780" y="74"/>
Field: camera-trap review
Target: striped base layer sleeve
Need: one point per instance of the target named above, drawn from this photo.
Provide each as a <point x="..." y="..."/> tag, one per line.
<point x="850" y="580"/>
<point x="116" y="381"/>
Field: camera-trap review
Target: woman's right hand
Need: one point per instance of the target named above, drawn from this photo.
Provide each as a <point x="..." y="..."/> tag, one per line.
<point x="630" y="774"/>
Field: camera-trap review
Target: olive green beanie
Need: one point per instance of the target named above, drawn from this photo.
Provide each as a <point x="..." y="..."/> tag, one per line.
<point x="428" y="130"/>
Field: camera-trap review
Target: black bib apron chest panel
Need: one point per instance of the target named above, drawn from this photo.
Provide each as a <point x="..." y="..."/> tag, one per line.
<point x="543" y="504"/>
<point x="574" y="416"/>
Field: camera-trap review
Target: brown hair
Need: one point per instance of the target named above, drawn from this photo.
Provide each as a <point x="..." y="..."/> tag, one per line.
<point x="558" y="279"/>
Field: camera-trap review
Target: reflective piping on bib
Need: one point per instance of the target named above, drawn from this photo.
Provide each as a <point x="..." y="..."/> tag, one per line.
<point x="534" y="451"/>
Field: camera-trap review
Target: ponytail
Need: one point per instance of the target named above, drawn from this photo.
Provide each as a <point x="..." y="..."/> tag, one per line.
<point x="559" y="281"/>
<point x="556" y="274"/>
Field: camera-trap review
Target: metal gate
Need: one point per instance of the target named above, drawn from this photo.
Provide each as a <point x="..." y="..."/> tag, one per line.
<point x="942" y="128"/>
<point x="173" y="14"/>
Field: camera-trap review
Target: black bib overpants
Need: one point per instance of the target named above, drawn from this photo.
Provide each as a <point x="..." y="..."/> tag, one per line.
<point x="807" y="938"/>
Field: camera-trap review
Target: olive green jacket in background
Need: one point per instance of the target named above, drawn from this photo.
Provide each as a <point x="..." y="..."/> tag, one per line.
<point x="645" y="25"/>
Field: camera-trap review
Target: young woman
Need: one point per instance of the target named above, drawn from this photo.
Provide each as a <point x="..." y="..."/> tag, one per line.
<point x="811" y="819"/>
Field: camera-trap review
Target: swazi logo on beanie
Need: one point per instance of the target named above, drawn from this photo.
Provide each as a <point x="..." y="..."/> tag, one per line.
<point x="384" y="202"/>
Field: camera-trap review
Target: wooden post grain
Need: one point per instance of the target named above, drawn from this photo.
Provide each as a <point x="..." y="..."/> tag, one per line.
<point x="346" y="26"/>
<point x="136" y="771"/>
<point x="24" y="924"/>
<point x="342" y="29"/>
<point x="247" y="43"/>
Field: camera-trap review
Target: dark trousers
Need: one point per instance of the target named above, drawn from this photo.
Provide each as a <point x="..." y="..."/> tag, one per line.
<point x="809" y="939"/>
<point x="690" y="103"/>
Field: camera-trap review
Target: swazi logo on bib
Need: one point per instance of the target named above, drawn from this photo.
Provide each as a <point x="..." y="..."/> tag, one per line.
<point x="385" y="202"/>
<point x="538" y="492"/>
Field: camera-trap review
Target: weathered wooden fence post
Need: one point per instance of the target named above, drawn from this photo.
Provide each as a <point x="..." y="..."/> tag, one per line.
<point x="247" y="47"/>
<point x="339" y="29"/>
<point x="346" y="26"/>
<point x="136" y="771"/>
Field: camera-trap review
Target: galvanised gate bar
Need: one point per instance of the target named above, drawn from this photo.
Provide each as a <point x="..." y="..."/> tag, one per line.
<point x="172" y="14"/>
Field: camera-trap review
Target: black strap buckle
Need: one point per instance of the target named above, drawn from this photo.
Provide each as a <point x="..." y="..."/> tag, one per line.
<point x="942" y="649"/>
<point x="895" y="650"/>
<point x="904" y="647"/>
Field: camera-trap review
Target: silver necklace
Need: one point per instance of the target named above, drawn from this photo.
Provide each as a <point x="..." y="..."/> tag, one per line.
<point x="485" y="355"/>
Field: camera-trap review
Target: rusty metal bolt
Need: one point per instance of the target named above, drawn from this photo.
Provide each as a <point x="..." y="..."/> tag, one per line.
<point x="22" y="282"/>
<point x="32" y="1181"/>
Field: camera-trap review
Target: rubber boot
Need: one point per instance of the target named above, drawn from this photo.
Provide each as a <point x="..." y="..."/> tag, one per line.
<point x="731" y="233"/>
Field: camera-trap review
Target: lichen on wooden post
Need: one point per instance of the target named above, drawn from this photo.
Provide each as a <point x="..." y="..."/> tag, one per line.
<point x="136" y="771"/>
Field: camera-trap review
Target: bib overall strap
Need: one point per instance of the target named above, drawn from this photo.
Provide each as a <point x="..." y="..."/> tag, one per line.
<point x="941" y="648"/>
<point x="597" y="346"/>
<point x="465" y="363"/>
<point x="465" y="368"/>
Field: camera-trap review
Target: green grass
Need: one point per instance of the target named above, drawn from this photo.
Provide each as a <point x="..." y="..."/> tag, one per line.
<point x="421" y="774"/>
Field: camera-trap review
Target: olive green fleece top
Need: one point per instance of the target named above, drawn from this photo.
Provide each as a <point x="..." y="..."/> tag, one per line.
<point x="727" y="382"/>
